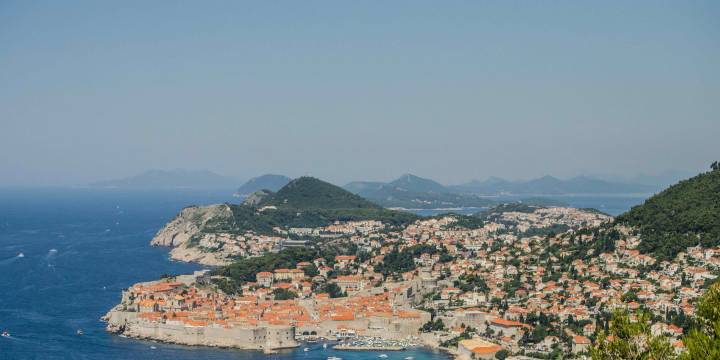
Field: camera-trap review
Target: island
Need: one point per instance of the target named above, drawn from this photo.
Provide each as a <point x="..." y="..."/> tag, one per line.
<point x="314" y="261"/>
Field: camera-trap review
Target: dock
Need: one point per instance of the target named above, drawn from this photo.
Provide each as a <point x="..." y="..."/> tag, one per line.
<point x="369" y="347"/>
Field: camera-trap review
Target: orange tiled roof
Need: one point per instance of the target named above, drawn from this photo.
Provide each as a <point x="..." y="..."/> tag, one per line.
<point x="507" y="323"/>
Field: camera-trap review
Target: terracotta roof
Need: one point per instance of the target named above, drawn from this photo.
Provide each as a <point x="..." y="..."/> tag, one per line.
<point x="345" y="258"/>
<point x="506" y="323"/>
<point x="579" y="339"/>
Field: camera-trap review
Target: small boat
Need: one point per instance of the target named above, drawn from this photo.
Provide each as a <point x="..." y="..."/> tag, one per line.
<point x="5" y="334"/>
<point x="152" y="347"/>
<point x="334" y="358"/>
<point x="306" y="349"/>
<point x="79" y="332"/>
<point x="324" y="345"/>
<point x="409" y="358"/>
<point x="20" y="255"/>
<point x="382" y="356"/>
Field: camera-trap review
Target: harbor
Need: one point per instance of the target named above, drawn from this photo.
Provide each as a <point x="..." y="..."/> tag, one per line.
<point x="376" y="344"/>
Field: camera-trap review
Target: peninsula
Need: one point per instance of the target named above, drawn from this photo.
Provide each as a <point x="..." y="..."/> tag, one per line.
<point x="313" y="260"/>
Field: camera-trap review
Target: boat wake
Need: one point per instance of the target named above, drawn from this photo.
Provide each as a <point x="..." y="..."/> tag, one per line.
<point x="51" y="254"/>
<point x="12" y="259"/>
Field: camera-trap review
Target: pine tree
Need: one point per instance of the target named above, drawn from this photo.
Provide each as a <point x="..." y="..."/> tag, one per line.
<point x="703" y="341"/>
<point x="631" y="340"/>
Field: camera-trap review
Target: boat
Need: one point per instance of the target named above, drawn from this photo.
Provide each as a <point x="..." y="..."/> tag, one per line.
<point x="334" y="358"/>
<point x="79" y="332"/>
<point x="324" y="345"/>
<point x="409" y="358"/>
<point x="5" y="334"/>
<point x="20" y="255"/>
<point x="382" y="356"/>
<point x="306" y="349"/>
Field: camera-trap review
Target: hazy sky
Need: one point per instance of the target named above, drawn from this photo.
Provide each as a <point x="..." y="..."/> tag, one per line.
<point x="348" y="90"/>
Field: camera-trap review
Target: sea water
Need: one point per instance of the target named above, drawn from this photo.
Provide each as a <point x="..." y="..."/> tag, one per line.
<point x="66" y="255"/>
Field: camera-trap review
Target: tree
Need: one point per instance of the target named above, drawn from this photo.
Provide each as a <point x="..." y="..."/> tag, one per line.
<point x="332" y="289"/>
<point x="502" y="354"/>
<point x="311" y="270"/>
<point x="703" y="341"/>
<point x="631" y="340"/>
<point x="284" y="294"/>
<point x="436" y="325"/>
<point x="629" y="296"/>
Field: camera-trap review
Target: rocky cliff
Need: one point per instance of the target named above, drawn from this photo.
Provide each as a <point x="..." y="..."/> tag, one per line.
<point x="188" y="225"/>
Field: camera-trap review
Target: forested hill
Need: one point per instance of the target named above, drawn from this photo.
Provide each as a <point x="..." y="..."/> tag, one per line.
<point x="304" y="202"/>
<point x="685" y="214"/>
<point x="311" y="193"/>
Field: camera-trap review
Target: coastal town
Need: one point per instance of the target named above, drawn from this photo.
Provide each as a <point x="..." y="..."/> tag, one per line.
<point x="525" y="282"/>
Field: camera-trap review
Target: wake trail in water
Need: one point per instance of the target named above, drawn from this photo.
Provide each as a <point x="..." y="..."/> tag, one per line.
<point x="51" y="254"/>
<point x="12" y="259"/>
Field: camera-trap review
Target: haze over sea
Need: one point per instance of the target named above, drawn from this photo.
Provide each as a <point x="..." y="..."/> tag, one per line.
<point x="81" y="247"/>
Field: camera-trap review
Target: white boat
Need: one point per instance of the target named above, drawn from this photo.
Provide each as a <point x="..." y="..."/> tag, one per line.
<point x="5" y="334"/>
<point x="409" y="358"/>
<point x="382" y="356"/>
<point x="334" y="358"/>
<point x="79" y="332"/>
<point x="306" y="349"/>
<point x="20" y="255"/>
<point x="324" y="345"/>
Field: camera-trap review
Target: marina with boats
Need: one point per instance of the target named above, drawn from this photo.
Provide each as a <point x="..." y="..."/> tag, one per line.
<point x="375" y="344"/>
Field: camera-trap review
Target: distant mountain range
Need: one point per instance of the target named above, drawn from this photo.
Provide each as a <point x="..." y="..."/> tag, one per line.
<point x="413" y="192"/>
<point x="410" y="191"/>
<point x="265" y="182"/>
<point x="548" y="185"/>
<point x="171" y="179"/>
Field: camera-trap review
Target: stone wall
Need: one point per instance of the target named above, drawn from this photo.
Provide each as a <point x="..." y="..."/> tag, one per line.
<point x="263" y="337"/>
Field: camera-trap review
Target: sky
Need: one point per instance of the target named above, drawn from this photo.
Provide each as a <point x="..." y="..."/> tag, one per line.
<point x="357" y="90"/>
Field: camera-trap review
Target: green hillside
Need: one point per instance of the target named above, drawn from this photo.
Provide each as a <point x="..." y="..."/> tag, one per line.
<point x="685" y="214"/>
<point x="304" y="202"/>
<point x="311" y="193"/>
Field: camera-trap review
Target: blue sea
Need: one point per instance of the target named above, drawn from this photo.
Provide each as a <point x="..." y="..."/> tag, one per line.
<point x="66" y="255"/>
<point x="79" y="249"/>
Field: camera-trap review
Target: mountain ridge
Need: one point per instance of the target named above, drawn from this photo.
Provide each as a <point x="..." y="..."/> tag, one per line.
<point x="550" y="185"/>
<point x="170" y="179"/>
<point x="270" y="182"/>
<point x="414" y="192"/>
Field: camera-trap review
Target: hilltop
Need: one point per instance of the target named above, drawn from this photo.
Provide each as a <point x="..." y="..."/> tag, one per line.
<point x="311" y="193"/>
<point x="265" y="182"/>
<point x="685" y="214"/>
<point x="413" y="183"/>
<point x="212" y="234"/>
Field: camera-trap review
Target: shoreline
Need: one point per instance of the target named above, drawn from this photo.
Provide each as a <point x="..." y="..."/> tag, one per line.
<point x="266" y="350"/>
<point x="369" y="348"/>
<point x="274" y="350"/>
<point x="269" y="350"/>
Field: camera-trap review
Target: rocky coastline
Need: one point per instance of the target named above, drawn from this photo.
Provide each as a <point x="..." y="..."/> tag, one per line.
<point x="184" y="235"/>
